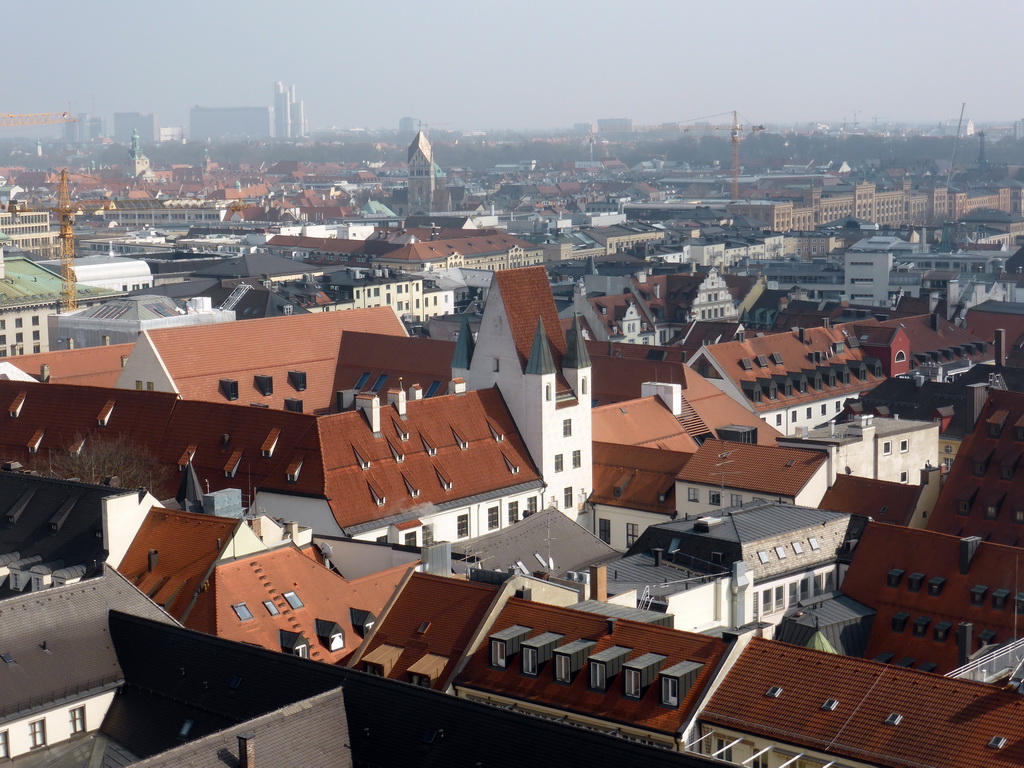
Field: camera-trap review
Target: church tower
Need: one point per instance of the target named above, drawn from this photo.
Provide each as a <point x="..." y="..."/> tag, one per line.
<point x="138" y="163"/>
<point x="424" y="175"/>
<point x="544" y="376"/>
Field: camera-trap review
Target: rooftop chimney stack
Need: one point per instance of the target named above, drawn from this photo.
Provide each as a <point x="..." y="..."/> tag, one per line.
<point x="247" y="750"/>
<point x="415" y="392"/>
<point x="44" y="373"/>
<point x="396" y="398"/>
<point x="978" y="394"/>
<point x="964" y="640"/>
<point x="934" y="320"/>
<point x="370" y="406"/>
<point x="968" y="549"/>
<point x="599" y="583"/>
<point x="154" y="558"/>
<point x="1000" y="346"/>
<point x="658" y="553"/>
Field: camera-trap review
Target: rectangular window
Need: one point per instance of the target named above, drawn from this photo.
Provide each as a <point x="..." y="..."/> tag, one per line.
<point x="566" y="427"/>
<point x="78" y="720"/>
<point x="692" y="494"/>
<point x="793" y="595"/>
<point x="410" y="539"/>
<point x="293" y="600"/>
<point x="577" y="460"/>
<point x="604" y="530"/>
<point x="670" y="691"/>
<point x="735" y="499"/>
<point x="778" y="419"/>
<point x="428" y="534"/>
<point x="5" y="745"/>
<point x="632" y="531"/>
<point x="498" y="658"/>
<point x="904" y="446"/>
<point x="531" y="505"/>
<point x="37" y="733"/>
<point x="808" y="413"/>
<point x="715" y="498"/>
<point x="567" y="497"/>
<point x="513" y="512"/>
<point x="462" y="523"/>
<point x="559" y="465"/>
<point x="887" y="448"/>
<point x="598" y="676"/>
<point x="563" y="668"/>
<point x="493" y="520"/>
<point x="529" y="661"/>
<point x="631" y="683"/>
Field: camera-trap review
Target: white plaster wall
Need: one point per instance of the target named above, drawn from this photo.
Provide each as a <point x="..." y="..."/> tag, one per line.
<point x="58" y="722"/>
<point x="145" y="365"/>
<point x="122" y="517"/>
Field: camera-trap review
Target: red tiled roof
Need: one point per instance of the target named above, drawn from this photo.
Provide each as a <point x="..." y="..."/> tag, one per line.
<point x="611" y="705"/>
<point x="91" y="366"/>
<point x="449" y="611"/>
<point x="266" y="576"/>
<point x="407" y="359"/>
<point x="946" y="721"/>
<point x="526" y="295"/>
<point x="186" y="547"/>
<point x="198" y="357"/>
<point x="636" y="478"/>
<point x="883" y="548"/>
<point x="766" y="469"/>
<point x="998" y="458"/>
<point x="983" y="321"/>
<point x="645" y="422"/>
<point x="882" y="500"/>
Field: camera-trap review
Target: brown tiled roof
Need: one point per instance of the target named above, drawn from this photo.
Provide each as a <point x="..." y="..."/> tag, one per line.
<point x="636" y="478"/>
<point x="610" y="705"/>
<point x="407" y="359"/>
<point x="198" y="357"/>
<point x="983" y="321"/>
<point x="432" y="615"/>
<point x="986" y="473"/>
<point x="884" y="548"/>
<point x="526" y="295"/>
<point x="645" y="421"/>
<point x="920" y="334"/>
<point x="945" y="721"/>
<point x="266" y="576"/>
<point x="186" y="546"/>
<point x="485" y="464"/>
<point x="90" y="366"/>
<point x="882" y="500"/>
<point x="764" y="469"/>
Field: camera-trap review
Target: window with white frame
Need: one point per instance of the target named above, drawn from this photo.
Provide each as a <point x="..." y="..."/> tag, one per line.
<point x="37" y="733"/>
<point x="670" y="691"/>
<point x="631" y="683"/>
<point x="78" y="720"/>
<point x="887" y="448"/>
<point x="5" y="745"/>
<point x="904" y="446"/>
<point x="693" y="494"/>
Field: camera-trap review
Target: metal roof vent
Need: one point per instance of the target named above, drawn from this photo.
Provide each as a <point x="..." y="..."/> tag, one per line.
<point x="894" y="719"/>
<point x="997" y="742"/>
<point x="774" y="692"/>
<point x="830" y="705"/>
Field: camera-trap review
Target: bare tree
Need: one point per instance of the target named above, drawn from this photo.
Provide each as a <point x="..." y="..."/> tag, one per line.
<point x="98" y="458"/>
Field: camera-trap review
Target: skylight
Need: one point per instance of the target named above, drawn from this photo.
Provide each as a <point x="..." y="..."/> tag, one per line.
<point x="271" y="608"/>
<point x="242" y="611"/>
<point x="763" y="557"/>
<point x="293" y="599"/>
<point x="894" y="719"/>
<point x="830" y="705"/>
<point x="774" y="692"/>
<point x="814" y="543"/>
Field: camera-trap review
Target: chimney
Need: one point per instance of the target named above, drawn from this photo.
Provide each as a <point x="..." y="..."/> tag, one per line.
<point x="670" y="394"/>
<point x="599" y="583"/>
<point x="658" y="553"/>
<point x="44" y="373"/>
<point x="1000" y="346"/>
<point x="612" y="621"/>
<point x="826" y="323"/>
<point x="976" y="402"/>
<point x="370" y="406"/>
<point x="800" y="334"/>
<point x="415" y="392"/>
<point x="247" y="750"/>
<point x="934" y="318"/>
<point x="457" y="386"/>
<point x="968" y="549"/>
<point x="396" y="398"/>
<point x="741" y="335"/>
<point x="154" y="557"/>
<point x="964" y="640"/>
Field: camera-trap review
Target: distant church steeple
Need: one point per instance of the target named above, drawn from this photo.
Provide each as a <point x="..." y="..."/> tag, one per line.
<point x="138" y="163"/>
<point x="425" y="176"/>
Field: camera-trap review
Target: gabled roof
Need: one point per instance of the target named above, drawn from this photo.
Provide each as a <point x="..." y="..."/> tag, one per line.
<point x="197" y="358"/>
<point x="253" y="580"/>
<point x="403" y="360"/>
<point x="768" y="469"/>
<point x="637" y="639"/>
<point x="526" y="295"/>
<point x="884" y="501"/>
<point x="186" y="545"/>
<point x="945" y="721"/>
<point x="634" y="477"/>
<point x="65" y="644"/>
<point x="90" y="366"/>
<point x="433" y="616"/>
<point x="571" y="546"/>
<point x="645" y="422"/>
<point x="886" y="549"/>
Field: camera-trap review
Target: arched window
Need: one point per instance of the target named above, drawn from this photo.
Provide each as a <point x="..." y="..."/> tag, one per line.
<point x="901" y="356"/>
<point x="583" y="385"/>
<point x="547" y="391"/>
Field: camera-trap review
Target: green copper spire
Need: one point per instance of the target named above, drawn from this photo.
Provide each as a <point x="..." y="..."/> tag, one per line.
<point x="464" y="347"/>
<point x="540" y="361"/>
<point x="576" y="355"/>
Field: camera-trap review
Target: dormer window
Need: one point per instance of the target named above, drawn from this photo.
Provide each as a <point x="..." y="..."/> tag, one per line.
<point x="267" y="449"/>
<point x="605" y="664"/>
<point x="537" y="651"/>
<point x="639" y="673"/>
<point x="677" y="680"/>
<point x="505" y="644"/>
<point x="330" y="634"/>
<point x="569" y="659"/>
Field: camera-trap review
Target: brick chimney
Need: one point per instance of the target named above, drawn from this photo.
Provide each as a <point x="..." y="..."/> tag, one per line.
<point x="247" y="750"/>
<point x="599" y="583"/>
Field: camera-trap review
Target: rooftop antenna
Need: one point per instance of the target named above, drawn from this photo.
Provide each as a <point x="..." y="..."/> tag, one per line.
<point x="956" y="141"/>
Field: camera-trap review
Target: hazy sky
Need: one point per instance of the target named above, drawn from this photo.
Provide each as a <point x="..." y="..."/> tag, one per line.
<point x="523" y="63"/>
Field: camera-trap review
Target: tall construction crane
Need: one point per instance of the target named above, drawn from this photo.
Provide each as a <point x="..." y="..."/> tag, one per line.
<point x="66" y="240"/>
<point x="736" y="130"/>
<point x="39" y="118"/>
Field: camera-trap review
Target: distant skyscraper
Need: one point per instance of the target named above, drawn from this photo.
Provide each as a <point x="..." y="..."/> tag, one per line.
<point x="289" y="113"/>
<point x="407" y="125"/>
<point x="87" y="128"/>
<point x="127" y="123"/>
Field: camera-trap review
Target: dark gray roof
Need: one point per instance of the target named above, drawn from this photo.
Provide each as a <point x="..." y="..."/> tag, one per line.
<point x="313" y="732"/>
<point x="844" y="622"/>
<point x="639" y="571"/>
<point x="75" y="542"/>
<point x="625" y="612"/>
<point x="571" y="546"/>
<point x="72" y="622"/>
<point x="253" y="265"/>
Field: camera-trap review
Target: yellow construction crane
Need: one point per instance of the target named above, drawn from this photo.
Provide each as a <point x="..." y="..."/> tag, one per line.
<point x="736" y="130"/>
<point x="66" y="239"/>
<point x="40" y="118"/>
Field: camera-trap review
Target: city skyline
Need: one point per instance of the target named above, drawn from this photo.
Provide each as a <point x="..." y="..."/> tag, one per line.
<point x="534" y="66"/>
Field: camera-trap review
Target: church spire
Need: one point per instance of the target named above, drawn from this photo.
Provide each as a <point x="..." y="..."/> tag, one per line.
<point x="540" y="361"/>
<point x="464" y="347"/>
<point x="576" y="355"/>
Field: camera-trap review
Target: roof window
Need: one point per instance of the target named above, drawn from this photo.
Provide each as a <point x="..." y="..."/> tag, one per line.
<point x="242" y="611"/>
<point x="894" y="719"/>
<point x="774" y="692"/>
<point x="293" y="600"/>
<point x="271" y="608"/>
<point x="830" y="705"/>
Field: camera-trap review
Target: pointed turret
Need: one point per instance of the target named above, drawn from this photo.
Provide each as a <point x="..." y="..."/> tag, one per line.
<point x="576" y="355"/>
<point x="540" y="362"/>
<point x="464" y="347"/>
<point x="190" y="491"/>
